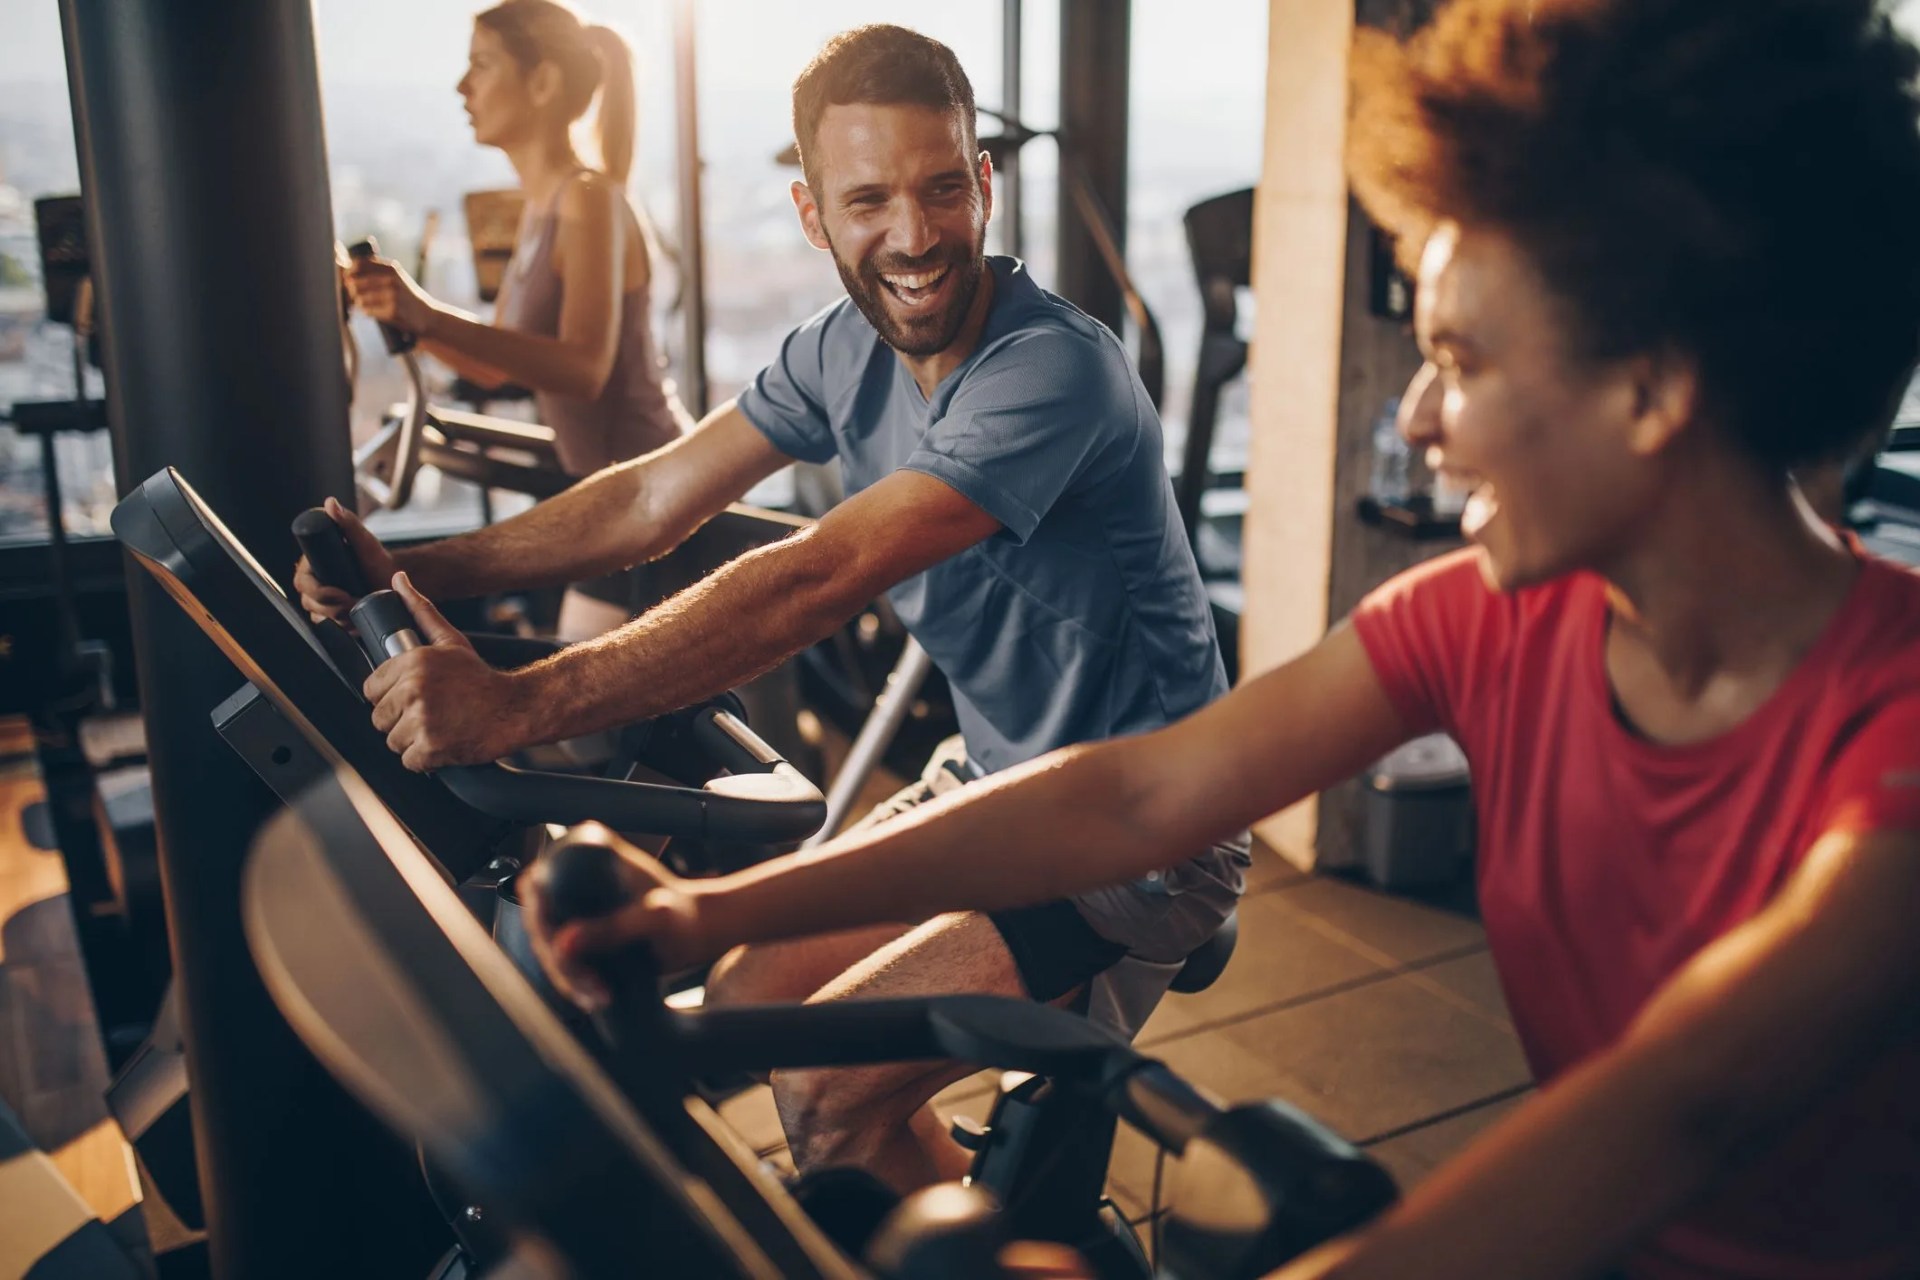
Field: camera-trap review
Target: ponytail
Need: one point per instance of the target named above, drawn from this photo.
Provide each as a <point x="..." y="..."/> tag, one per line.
<point x="613" y="122"/>
<point x="591" y="58"/>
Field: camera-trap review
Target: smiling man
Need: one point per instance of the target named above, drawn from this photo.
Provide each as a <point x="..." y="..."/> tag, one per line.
<point x="1005" y="489"/>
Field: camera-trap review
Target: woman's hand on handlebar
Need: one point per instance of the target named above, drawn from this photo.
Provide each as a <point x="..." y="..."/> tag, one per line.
<point x="668" y="917"/>
<point x="321" y="600"/>
<point x="382" y="289"/>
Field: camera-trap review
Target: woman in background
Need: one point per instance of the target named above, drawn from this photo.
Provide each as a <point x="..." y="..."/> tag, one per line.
<point x="571" y="322"/>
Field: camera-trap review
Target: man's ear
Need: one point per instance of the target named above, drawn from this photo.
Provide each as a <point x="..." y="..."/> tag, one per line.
<point x="809" y="211"/>
<point x="1666" y="400"/>
<point x="986" y="187"/>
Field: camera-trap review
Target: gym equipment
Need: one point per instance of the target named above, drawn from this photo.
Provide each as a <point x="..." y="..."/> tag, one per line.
<point x="1045" y="1148"/>
<point x="492" y="452"/>
<point x="480" y="820"/>
<point x="493" y="224"/>
<point x="1220" y="241"/>
<point x="301" y="716"/>
<point x="384" y="467"/>
<point x="621" y="1170"/>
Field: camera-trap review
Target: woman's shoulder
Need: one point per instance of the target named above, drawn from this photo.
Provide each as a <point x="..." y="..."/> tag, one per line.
<point x="1882" y="638"/>
<point x="591" y="210"/>
<point x="588" y="193"/>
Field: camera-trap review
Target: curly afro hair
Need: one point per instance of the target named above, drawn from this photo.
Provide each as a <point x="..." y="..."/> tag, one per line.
<point x="1734" y="180"/>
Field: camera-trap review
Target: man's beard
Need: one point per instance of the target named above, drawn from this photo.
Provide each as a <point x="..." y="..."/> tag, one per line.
<point x="923" y="335"/>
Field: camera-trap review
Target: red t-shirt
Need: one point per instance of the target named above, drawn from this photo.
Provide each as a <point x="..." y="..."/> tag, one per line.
<point x="1605" y="861"/>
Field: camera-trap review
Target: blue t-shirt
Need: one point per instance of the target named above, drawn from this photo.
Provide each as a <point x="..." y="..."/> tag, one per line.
<point x="1084" y="618"/>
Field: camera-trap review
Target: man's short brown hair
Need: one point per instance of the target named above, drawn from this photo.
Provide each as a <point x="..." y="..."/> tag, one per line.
<point x="882" y="65"/>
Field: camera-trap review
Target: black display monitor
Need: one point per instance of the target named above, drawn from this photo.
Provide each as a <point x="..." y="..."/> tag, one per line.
<point x="310" y="673"/>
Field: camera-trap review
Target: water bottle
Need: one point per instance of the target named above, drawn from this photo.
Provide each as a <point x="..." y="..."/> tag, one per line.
<point x="1392" y="459"/>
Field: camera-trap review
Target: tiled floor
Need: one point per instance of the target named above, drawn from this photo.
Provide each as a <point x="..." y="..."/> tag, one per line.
<point x="52" y="1067"/>
<point x="1379" y="1015"/>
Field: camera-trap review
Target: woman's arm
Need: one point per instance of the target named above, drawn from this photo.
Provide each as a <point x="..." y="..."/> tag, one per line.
<point x="590" y="253"/>
<point x="1073" y="820"/>
<point x="1749" y="1036"/>
<point x="475" y="371"/>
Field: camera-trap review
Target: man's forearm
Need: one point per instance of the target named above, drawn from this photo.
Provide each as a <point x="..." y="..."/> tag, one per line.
<point x="719" y="633"/>
<point x="585" y="532"/>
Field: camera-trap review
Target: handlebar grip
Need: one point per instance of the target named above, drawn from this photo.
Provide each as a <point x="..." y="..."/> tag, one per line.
<point x="325" y="546"/>
<point x="398" y="341"/>
<point x="579" y="881"/>
<point x="385" y="626"/>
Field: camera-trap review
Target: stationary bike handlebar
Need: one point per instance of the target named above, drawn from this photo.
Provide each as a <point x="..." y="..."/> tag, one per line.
<point x="326" y="549"/>
<point x="1281" y="1183"/>
<point x="385" y="466"/>
<point x="761" y="799"/>
<point x="398" y="340"/>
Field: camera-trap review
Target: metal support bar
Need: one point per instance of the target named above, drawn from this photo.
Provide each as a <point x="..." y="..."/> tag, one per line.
<point x="1007" y="181"/>
<point x="203" y="159"/>
<point x="1094" y="97"/>
<point x="693" y="254"/>
<point x="875" y="736"/>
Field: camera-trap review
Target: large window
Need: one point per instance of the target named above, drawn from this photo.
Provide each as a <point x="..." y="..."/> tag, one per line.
<point x="1199" y="76"/>
<point x="36" y="357"/>
<point x="399" y="151"/>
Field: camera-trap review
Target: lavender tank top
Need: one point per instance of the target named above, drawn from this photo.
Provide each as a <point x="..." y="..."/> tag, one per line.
<point x="637" y="411"/>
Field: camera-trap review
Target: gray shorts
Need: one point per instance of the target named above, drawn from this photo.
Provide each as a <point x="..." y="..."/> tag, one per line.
<point x="1158" y="920"/>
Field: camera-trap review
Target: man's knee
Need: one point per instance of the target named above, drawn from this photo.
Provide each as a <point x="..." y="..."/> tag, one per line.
<point x="736" y="978"/>
<point x="811" y="1102"/>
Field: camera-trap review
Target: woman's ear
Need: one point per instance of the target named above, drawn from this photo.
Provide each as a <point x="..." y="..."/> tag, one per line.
<point x="544" y="84"/>
<point x="1666" y="400"/>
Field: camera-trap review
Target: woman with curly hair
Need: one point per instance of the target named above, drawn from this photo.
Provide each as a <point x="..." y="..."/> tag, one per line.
<point x="1667" y="254"/>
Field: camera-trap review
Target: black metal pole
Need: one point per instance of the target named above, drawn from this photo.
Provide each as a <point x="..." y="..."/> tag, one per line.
<point x="204" y="170"/>
<point x="1094" y="97"/>
<point x="693" y="253"/>
<point x="1007" y="184"/>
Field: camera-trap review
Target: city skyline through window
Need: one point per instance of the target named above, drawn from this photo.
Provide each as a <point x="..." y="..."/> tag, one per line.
<point x="398" y="147"/>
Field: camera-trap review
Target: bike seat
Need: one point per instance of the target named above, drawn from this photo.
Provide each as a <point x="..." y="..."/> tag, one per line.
<point x="1209" y="959"/>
